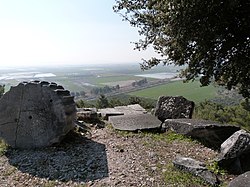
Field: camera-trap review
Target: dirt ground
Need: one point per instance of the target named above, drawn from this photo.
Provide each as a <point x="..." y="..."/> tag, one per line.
<point x="102" y="157"/>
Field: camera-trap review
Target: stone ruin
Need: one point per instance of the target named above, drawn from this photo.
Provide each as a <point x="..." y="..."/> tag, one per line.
<point x="169" y="107"/>
<point x="175" y="113"/>
<point x="36" y="114"/>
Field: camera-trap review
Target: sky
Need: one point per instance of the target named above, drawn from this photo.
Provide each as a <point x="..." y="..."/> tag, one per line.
<point x="35" y="32"/>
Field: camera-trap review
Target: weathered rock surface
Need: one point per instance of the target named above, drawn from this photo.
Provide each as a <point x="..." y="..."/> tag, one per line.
<point x="242" y="180"/>
<point x="36" y="114"/>
<point x="135" y="122"/>
<point x="196" y="168"/>
<point x="235" y="152"/>
<point x="169" y="107"/>
<point x="87" y="114"/>
<point x="107" y="112"/>
<point x="209" y="133"/>
<point x="122" y="110"/>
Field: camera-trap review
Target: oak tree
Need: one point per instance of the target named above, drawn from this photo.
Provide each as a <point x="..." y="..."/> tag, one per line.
<point x="211" y="38"/>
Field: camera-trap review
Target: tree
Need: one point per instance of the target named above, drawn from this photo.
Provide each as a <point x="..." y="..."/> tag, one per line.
<point x="1" y="90"/>
<point x="238" y="114"/>
<point x="102" y="102"/>
<point x="211" y="38"/>
<point x="134" y="100"/>
<point x="117" y="87"/>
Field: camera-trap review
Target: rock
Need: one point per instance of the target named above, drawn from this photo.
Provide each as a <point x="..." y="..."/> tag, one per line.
<point x="122" y="110"/>
<point x="168" y="107"/>
<point x="132" y="109"/>
<point x="242" y="180"/>
<point x="107" y="112"/>
<point x="36" y="114"/>
<point x="196" y="168"/>
<point x="209" y="133"/>
<point x="235" y="152"/>
<point x="87" y="114"/>
<point x="135" y="122"/>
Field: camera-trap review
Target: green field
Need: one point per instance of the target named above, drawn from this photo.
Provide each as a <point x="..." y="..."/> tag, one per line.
<point x="191" y="91"/>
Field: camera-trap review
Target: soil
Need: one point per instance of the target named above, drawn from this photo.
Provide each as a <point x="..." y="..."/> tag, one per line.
<point x="100" y="157"/>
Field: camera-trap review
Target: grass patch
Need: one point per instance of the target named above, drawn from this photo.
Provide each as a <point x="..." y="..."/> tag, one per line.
<point x="50" y="184"/>
<point x="168" y="137"/>
<point x="174" y="177"/>
<point x="125" y="133"/>
<point x="191" y="91"/>
<point x="214" y="167"/>
<point x="3" y="147"/>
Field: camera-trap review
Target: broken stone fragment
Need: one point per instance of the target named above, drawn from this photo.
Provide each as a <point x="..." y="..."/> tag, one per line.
<point x="36" y="114"/>
<point x="122" y="110"/>
<point x="135" y="122"/>
<point x="168" y="107"/>
<point x="242" y="180"/>
<point x="235" y="152"/>
<point x="196" y="168"/>
<point x="209" y="133"/>
<point x="87" y="114"/>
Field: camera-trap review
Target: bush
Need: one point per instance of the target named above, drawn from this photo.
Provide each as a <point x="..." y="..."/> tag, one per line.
<point x="237" y="115"/>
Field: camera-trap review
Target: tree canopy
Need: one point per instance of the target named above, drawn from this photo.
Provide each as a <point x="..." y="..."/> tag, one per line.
<point x="210" y="37"/>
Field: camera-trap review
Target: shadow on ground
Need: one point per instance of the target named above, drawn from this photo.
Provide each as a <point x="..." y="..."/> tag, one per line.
<point x="77" y="159"/>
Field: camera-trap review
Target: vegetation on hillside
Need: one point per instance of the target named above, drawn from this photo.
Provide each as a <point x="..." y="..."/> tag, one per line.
<point x="1" y="90"/>
<point x="119" y="100"/>
<point x="238" y="115"/>
<point x="104" y="90"/>
<point x="211" y="38"/>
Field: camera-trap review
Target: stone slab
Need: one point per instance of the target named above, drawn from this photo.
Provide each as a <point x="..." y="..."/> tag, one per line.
<point x="131" y="109"/>
<point x="210" y="133"/>
<point x="107" y="112"/>
<point x="196" y="168"/>
<point x="242" y="180"/>
<point x="135" y="122"/>
<point x="235" y="152"/>
<point x="122" y="110"/>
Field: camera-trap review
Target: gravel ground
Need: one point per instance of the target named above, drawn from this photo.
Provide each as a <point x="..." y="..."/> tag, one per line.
<point x="103" y="157"/>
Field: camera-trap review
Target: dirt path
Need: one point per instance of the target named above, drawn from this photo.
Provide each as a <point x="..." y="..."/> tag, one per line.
<point x="103" y="158"/>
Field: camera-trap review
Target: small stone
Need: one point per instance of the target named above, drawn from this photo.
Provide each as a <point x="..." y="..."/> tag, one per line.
<point x="151" y="179"/>
<point x="154" y="168"/>
<point x="121" y="150"/>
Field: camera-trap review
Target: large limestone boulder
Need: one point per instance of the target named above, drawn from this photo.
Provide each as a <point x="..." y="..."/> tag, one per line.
<point x="209" y="133"/>
<point x="168" y="107"/>
<point x="242" y="180"/>
<point x="36" y="114"/>
<point x="235" y="152"/>
<point x="196" y="168"/>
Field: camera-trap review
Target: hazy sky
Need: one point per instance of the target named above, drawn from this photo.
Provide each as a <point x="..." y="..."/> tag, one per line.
<point x="65" y="31"/>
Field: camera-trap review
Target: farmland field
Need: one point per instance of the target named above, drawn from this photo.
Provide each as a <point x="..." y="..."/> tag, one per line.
<point x="102" y="80"/>
<point x="191" y="91"/>
<point x="77" y="78"/>
<point x="86" y="77"/>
